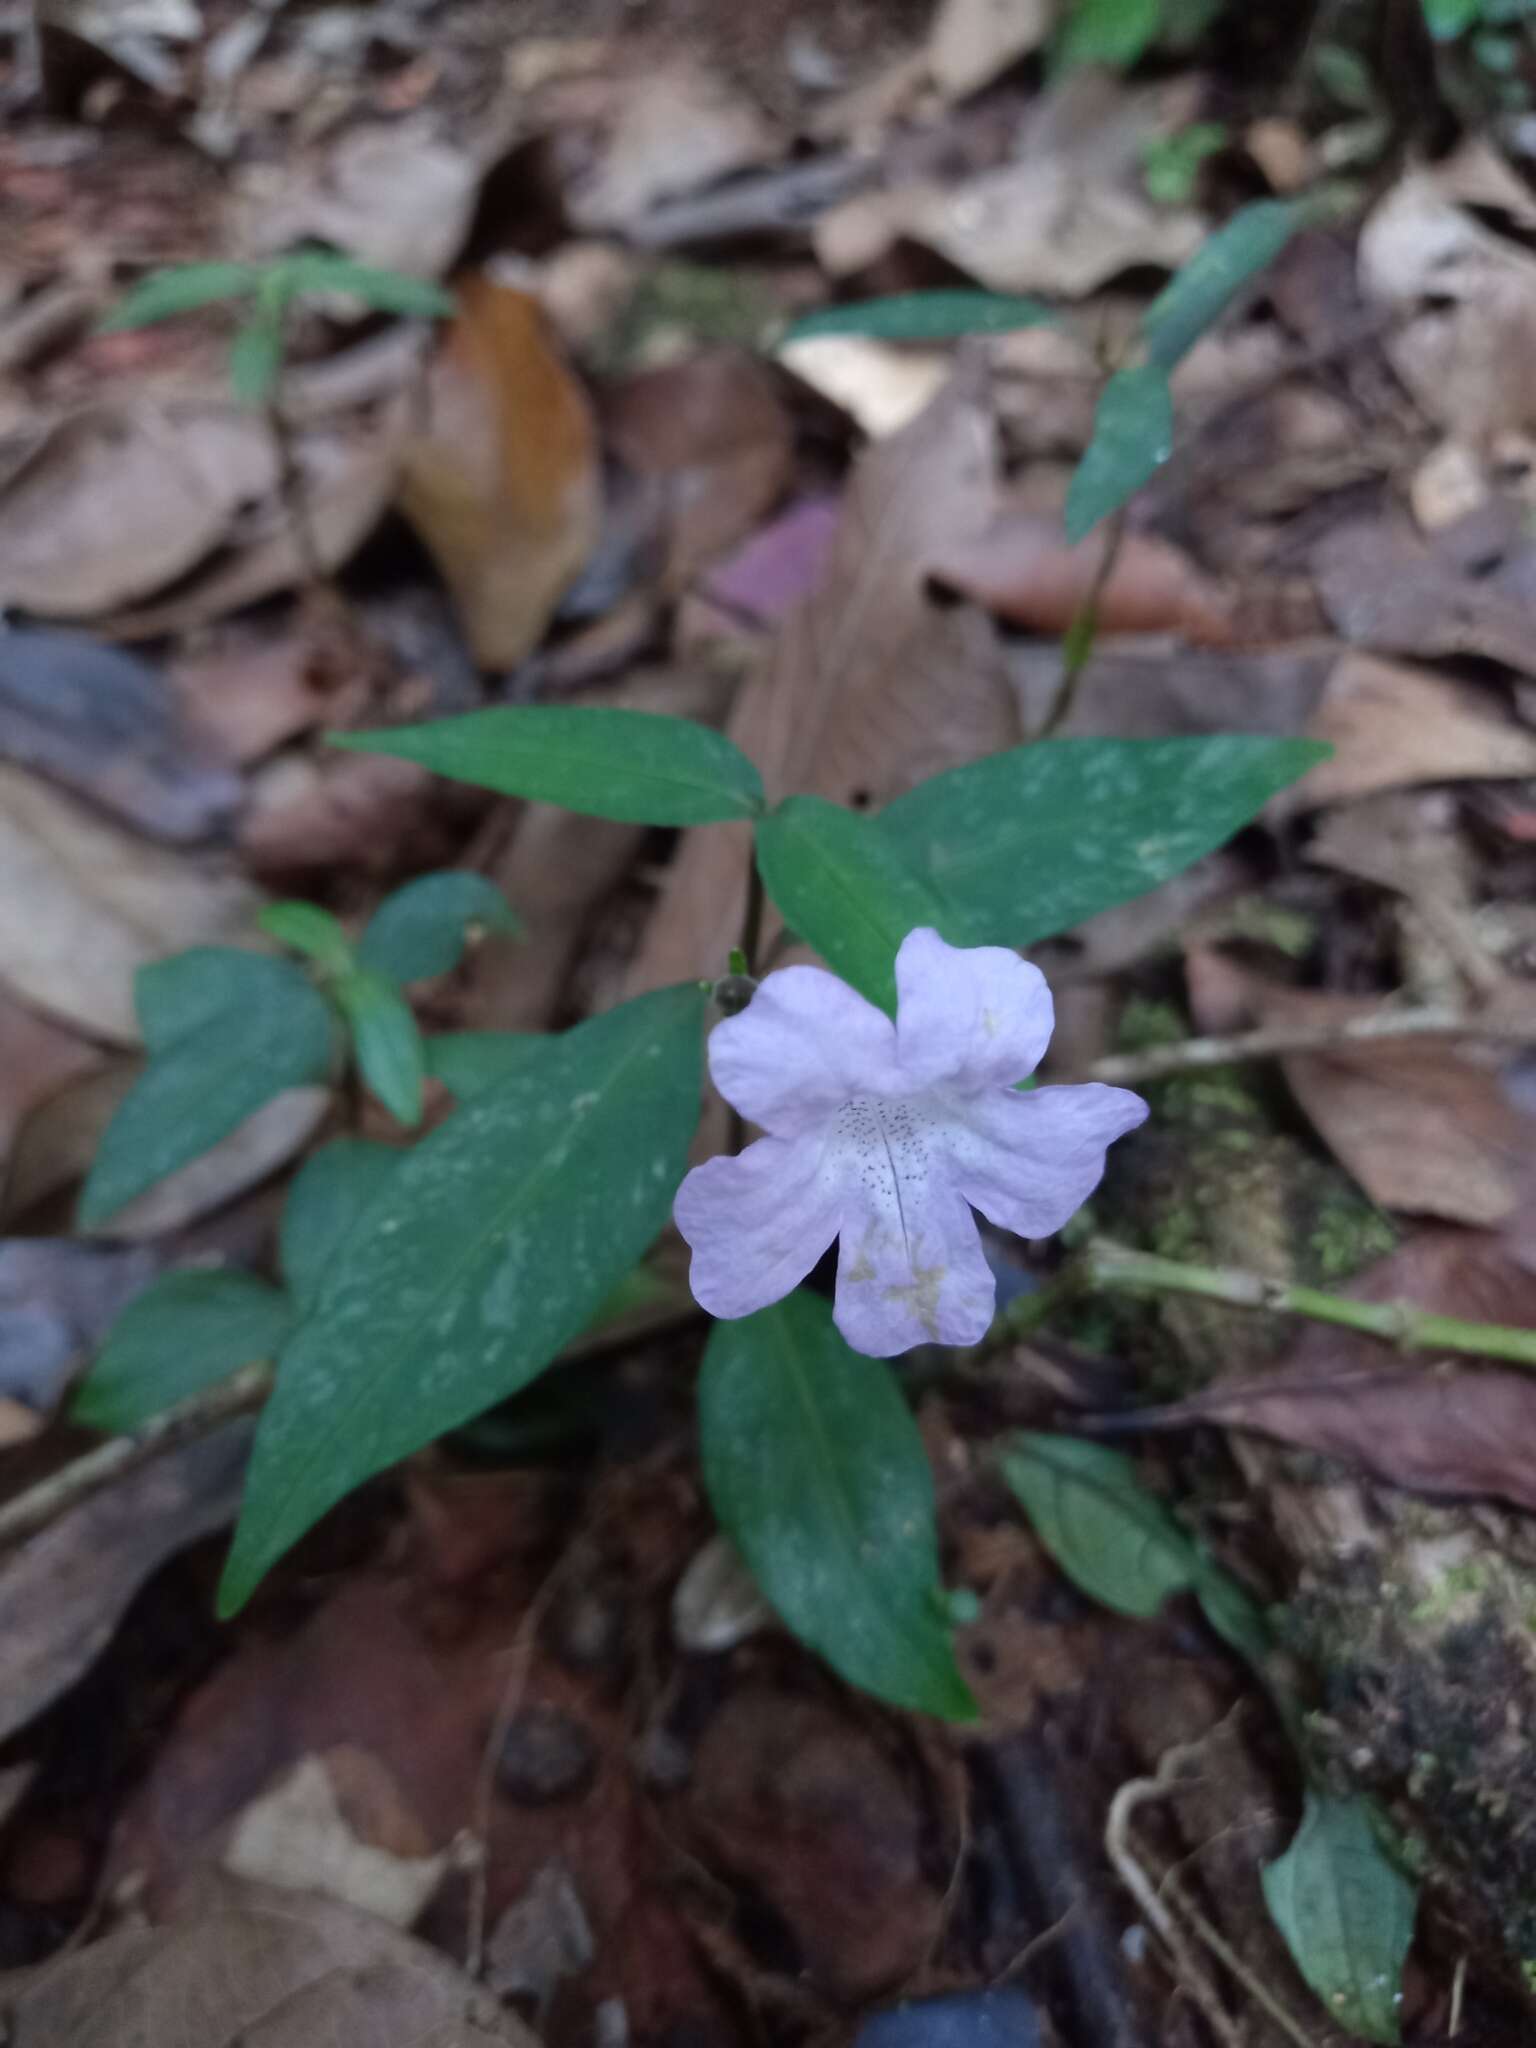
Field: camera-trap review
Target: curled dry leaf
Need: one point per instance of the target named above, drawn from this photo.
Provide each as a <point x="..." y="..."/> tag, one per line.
<point x="869" y="685"/>
<point x="678" y="127"/>
<point x="118" y="500"/>
<point x="1427" y="1126"/>
<point x="1468" y="344"/>
<point x="1024" y="569"/>
<point x="715" y="435"/>
<point x="242" y="1964"/>
<point x="503" y="482"/>
<point x="63" y="1593"/>
<point x="86" y="905"/>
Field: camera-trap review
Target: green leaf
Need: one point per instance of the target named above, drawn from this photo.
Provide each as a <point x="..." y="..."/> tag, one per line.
<point x="277" y="1031"/>
<point x="1112" y="1538"/>
<point x="185" y="1332"/>
<point x="637" y="766"/>
<point x="924" y="316"/>
<point x="173" y="997"/>
<point x="386" y="1040"/>
<point x="309" y="930"/>
<point x="1197" y="297"/>
<point x="1030" y="842"/>
<point x="330" y="1191"/>
<point x="1132" y="439"/>
<point x="1110" y="32"/>
<point x="467" y="1061"/>
<point x="256" y="360"/>
<point x="816" y="1469"/>
<point x="844" y="886"/>
<point x="1346" y="1912"/>
<point x="493" y="1243"/>
<point x="387" y="291"/>
<point x="186" y="288"/>
<point x="422" y="929"/>
<point x="1170" y="164"/>
<point x="1447" y="19"/>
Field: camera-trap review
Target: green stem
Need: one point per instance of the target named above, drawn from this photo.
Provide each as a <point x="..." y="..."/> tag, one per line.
<point x="1115" y="1266"/>
<point x="1078" y="641"/>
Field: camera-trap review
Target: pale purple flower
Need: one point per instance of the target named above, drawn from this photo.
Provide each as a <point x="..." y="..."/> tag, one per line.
<point x="887" y="1136"/>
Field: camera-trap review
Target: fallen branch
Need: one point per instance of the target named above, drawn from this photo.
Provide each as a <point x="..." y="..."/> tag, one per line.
<point x="1193" y="1055"/>
<point x="197" y="1416"/>
<point x="1119" y="1268"/>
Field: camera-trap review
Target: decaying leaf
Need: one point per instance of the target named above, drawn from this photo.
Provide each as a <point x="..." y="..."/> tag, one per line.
<point x="58" y="1299"/>
<point x="971" y="41"/>
<point x="239" y="1964"/>
<point x="63" y="1593"/>
<point x="299" y="1836"/>
<point x="502" y="482"/>
<point x="86" y="905"/>
<point x="869" y="686"/>
<point x="880" y="387"/>
<point x="37" y="1058"/>
<point x="678" y="127"/>
<point x="115" y="501"/>
<point x="1385" y="589"/>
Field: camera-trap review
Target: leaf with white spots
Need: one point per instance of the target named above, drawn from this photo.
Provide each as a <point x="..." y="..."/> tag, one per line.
<point x="485" y="1251"/>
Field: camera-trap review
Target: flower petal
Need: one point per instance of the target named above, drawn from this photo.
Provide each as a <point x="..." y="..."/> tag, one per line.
<point x="911" y="1272"/>
<point x="971" y="1015"/>
<point x="1028" y="1162"/>
<point x="804" y="1044"/>
<point x="757" y="1222"/>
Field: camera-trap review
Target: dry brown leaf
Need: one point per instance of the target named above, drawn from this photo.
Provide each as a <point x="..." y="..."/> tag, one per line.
<point x="63" y="1593"/>
<point x="247" y="689"/>
<point x="1391" y="725"/>
<point x="1466" y="353"/>
<point x="971" y="41"/>
<point x="869" y="685"/>
<point x="37" y="1058"/>
<point x="348" y="476"/>
<point x="392" y="194"/>
<point x="678" y="127"/>
<point x="1066" y="215"/>
<point x="243" y="1967"/>
<point x="58" y="1300"/>
<point x="1385" y="590"/>
<point x="880" y="387"/>
<point x="503" y="481"/>
<point x="1024" y="569"/>
<point x="715" y="436"/>
<point x="367" y="812"/>
<point x="118" y="500"/>
<point x="1425" y="1125"/>
<point x="85" y="905"/>
<point x="298" y="1836"/>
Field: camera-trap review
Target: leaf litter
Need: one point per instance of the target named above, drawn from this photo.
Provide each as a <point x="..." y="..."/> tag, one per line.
<point x="607" y="479"/>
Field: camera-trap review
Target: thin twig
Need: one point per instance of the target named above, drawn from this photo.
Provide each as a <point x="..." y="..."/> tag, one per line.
<point x="197" y="1416"/>
<point x="1118" y="1267"/>
<point x="1082" y="634"/>
<point x="1192" y="1055"/>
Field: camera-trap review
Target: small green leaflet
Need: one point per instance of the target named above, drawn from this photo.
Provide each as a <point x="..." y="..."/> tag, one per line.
<point x="330" y="1191"/>
<point x="923" y="316"/>
<point x="1132" y="439"/>
<point x="308" y="930"/>
<point x="637" y="766"/>
<point x="274" y="1031"/>
<point x="385" y="1040"/>
<point x="187" y="288"/>
<point x="1113" y="33"/>
<point x="489" y="1247"/>
<point x="1346" y="1912"/>
<point x="467" y="1061"/>
<point x="387" y="291"/>
<point x="1090" y="1510"/>
<point x="843" y="885"/>
<point x="186" y="1331"/>
<point x="1447" y="19"/>
<point x="1028" y="843"/>
<point x="817" y="1471"/>
<point x="1196" y="298"/>
<point x="421" y="930"/>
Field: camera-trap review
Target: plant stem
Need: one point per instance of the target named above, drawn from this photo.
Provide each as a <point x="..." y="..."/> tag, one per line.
<point x="198" y="1415"/>
<point x="291" y="489"/>
<point x="1078" y="641"/>
<point x="1190" y="1055"/>
<point x="752" y="918"/>
<point x="1116" y="1267"/>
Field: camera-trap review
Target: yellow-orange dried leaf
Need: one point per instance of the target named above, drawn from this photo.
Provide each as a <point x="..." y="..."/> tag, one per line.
<point x="503" y="481"/>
